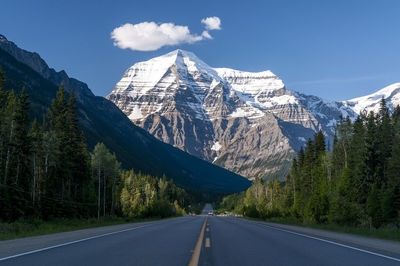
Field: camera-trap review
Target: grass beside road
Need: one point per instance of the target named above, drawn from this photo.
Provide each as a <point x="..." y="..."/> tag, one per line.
<point x="381" y="233"/>
<point x="35" y="227"/>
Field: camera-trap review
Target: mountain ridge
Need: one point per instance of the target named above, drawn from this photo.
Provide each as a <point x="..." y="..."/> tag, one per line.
<point x="239" y="120"/>
<point x="371" y="102"/>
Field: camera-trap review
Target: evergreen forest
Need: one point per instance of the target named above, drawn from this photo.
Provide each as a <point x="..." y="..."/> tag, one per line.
<point x="47" y="172"/>
<point x="354" y="183"/>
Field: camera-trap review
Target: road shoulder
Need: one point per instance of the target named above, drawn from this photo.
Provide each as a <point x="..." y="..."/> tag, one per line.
<point x="384" y="247"/>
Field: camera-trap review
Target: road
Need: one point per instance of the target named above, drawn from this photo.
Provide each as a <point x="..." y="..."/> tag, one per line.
<point x="223" y="241"/>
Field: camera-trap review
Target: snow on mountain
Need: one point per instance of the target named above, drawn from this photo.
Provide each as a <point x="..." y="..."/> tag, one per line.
<point x="258" y="91"/>
<point x="327" y="112"/>
<point x="246" y="122"/>
<point x="371" y="102"/>
<point x="150" y="84"/>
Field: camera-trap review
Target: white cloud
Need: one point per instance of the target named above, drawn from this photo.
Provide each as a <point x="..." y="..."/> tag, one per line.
<point x="212" y="23"/>
<point x="150" y="36"/>
<point x="206" y="35"/>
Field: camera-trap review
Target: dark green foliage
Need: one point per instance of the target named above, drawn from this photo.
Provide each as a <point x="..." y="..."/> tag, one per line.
<point x="357" y="184"/>
<point x="374" y="206"/>
<point x="391" y="205"/>
<point x="39" y="165"/>
<point x="46" y="171"/>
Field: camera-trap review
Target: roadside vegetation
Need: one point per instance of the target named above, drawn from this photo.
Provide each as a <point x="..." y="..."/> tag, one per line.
<point x="34" y="226"/>
<point x="49" y="181"/>
<point x="354" y="188"/>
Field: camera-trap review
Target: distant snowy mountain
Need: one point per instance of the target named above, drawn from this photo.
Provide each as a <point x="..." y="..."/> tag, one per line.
<point x="371" y="102"/>
<point x="246" y="122"/>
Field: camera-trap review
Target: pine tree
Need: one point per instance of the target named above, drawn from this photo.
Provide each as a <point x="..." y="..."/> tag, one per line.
<point x="306" y="173"/>
<point x="371" y="161"/>
<point x="22" y="141"/>
<point x="319" y="139"/>
<point x="384" y="139"/>
<point x="357" y="155"/>
<point x="391" y="201"/>
<point x="57" y="124"/>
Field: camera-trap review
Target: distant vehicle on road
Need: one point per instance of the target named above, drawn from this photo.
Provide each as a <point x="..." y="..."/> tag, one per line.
<point x="211" y="213"/>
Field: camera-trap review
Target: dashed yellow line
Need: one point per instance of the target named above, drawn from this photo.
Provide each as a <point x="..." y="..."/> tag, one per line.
<point x="197" y="249"/>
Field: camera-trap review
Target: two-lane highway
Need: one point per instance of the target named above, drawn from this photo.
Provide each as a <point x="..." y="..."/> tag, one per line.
<point x="220" y="241"/>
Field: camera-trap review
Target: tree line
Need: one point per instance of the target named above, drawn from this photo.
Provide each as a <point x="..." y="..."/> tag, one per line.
<point x="46" y="170"/>
<point x="356" y="182"/>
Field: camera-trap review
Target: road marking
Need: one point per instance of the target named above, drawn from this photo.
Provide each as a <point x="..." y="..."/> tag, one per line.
<point x="208" y="243"/>
<point x="70" y="243"/>
<point x="332" y="242"/>
<point x="207" y="229"/>
<point x="197" y="249"/>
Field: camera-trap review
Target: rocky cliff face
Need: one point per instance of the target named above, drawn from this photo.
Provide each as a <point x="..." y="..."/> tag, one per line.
<point x="246" y="122"/>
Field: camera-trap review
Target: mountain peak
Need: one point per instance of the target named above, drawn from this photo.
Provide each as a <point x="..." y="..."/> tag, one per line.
<point x="185" y="60"/>
<point x="176" y="54"/>
<point x="182" y="53"/>
<point x="179" y="57"/>
<point x="371" y="102"/>
<point x="184" y="65"/>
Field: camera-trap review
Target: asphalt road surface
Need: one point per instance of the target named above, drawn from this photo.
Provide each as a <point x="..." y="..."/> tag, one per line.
<point x="214" y="240"/>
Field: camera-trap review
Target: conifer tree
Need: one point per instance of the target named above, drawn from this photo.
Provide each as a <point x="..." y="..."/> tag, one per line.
<point x="384" y="139"/>
<point x="319" y="139"/>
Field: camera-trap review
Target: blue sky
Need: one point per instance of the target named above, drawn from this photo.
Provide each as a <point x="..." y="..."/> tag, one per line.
<point x="334" y="49"/>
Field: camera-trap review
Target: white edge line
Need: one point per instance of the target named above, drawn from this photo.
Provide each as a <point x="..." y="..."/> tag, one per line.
<point x="70" y="243"/>
<point x="332" y="242"/>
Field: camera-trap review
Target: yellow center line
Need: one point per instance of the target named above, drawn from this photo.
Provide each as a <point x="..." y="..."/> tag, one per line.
<point x="197" y="249"/>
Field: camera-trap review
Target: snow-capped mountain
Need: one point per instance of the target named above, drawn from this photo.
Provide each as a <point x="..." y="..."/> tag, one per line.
<point x="371" y="102"/>
<point x="246" y="122"/>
